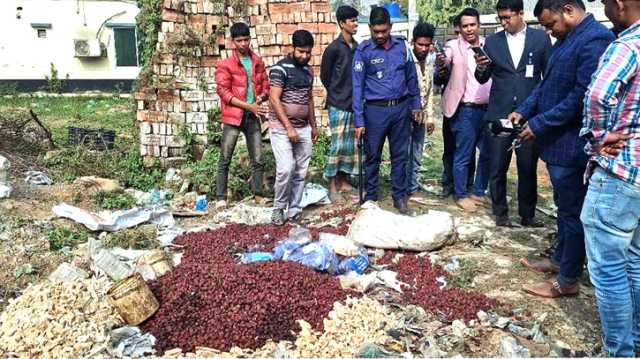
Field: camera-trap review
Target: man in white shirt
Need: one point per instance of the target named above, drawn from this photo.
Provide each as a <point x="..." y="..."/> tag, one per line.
<point x="517" y="58"/>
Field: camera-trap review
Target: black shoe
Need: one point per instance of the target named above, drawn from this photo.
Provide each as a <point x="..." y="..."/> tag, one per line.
<point x="446" y="192"/>
<point x="277" y="217"/>
<point x="401" y="205"/>
<point x="531" y="222"/>
<point x="503" y="222"/>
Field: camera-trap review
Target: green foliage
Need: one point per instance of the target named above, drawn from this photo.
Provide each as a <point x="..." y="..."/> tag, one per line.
<point x="204" y="171"/>
<point x="214" y="127"/>
<point x="442" y="12"/>
<point x="54" y="83"/>
<point x="24" y="269"/>
<point x="114" y="200"/>
<point x="142" y="237"/>
<point x="132" y="172"/>
<point x="463" y="276"/>
<point x="148" y="23"/>
<point x="320" y="151"/>
<point x="63" y="236"/>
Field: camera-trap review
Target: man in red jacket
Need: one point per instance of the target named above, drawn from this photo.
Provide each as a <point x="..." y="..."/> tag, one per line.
<point x="243" y="87"/>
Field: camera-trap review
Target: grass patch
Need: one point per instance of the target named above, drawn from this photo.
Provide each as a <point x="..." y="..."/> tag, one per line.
<point x="58" y="113"/>
<point x="142" y="237"/>
<point x="111" y="200"/>
<point x="63" y="236"/>
<point x="463" y="277"/>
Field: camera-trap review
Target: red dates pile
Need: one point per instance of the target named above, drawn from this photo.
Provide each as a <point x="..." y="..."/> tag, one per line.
<point x="210" y="300"/>
<point x="449" y="303"/>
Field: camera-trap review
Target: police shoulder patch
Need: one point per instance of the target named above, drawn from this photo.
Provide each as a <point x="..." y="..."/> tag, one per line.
<point x="358" y="66"/>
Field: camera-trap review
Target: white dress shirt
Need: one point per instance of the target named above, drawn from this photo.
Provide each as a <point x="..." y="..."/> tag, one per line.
<point x="516" y="45"/>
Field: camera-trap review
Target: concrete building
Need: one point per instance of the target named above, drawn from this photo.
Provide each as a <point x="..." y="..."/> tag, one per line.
<point x="93" y="41"/>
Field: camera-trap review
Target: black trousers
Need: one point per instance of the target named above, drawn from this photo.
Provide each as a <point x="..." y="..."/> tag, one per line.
<point x="527" y="162"/>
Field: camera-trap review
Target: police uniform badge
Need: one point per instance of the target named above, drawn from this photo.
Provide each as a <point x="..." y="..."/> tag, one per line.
<point x="357" y="66"/>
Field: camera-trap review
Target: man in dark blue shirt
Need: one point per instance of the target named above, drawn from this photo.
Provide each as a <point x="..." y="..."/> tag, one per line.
<point x="386" y="97"/>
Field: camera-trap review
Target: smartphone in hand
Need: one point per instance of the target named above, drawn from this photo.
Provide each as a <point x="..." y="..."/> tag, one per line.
<point x="480" y="52"/>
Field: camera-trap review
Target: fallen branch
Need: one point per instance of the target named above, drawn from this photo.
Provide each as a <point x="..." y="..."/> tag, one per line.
<point x="52" y="144"/>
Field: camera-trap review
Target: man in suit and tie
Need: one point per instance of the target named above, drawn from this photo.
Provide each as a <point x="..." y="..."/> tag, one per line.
<point x="516" y="58"/>
<point x="553" y="115"/>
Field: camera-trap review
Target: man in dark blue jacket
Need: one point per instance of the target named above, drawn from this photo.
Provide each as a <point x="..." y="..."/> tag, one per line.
<point x="517" y="57"/>
<point x="553" y="115"/>
<point x="386" y="97"/>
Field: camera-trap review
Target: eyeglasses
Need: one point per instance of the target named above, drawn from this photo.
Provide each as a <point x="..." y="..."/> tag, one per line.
<point x="502" y="19"/>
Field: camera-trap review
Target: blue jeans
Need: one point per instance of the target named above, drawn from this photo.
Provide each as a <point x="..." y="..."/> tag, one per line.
<point x="611" y="215"/>
<point x="415" y="156"/>
<point x="569" y="191"/>
<point x="470" y="130"/>
<point x="394" y="123"/>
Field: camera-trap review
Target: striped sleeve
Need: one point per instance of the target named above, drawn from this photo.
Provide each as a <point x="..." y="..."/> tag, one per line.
<point x="617" y="67"/>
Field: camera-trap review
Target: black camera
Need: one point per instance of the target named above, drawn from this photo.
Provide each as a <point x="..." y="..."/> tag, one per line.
<point x="504" y="128"/>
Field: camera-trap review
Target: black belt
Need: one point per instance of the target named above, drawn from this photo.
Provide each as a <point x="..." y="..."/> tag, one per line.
<point x="471" y="104"/>
<point x="387" y="103"/>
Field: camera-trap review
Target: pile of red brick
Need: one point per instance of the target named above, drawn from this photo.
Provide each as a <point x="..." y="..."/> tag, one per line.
<point x="183" y="89"/>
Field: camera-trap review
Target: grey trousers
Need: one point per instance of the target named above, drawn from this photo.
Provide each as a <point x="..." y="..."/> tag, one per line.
<point x="292" y="162"/>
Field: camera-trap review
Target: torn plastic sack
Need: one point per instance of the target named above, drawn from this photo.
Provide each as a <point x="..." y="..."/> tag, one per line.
<point x="38" y="178"/>
<point x="358" y="282"/>
<point x="128" y="342"/>
<point x="5" y="187"/>
<point x="108" y="263"/>
<point x="314" y="194"/>
<point x="67" y="273"/>
<point x="356" y="264"/>
<point x="114" y="221"/>
<point x="315" y="255"/>
<point x="377" y="228"/>
<point x="244" y="214"/>
<point x="340" y="244"/>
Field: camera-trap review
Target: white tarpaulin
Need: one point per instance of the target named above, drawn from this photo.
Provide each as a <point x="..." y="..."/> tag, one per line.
<point x="377" y="228"/>
<point x="114" y="221"/>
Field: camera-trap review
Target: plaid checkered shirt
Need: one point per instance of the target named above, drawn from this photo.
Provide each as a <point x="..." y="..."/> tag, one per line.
<point x="612" y="104"/>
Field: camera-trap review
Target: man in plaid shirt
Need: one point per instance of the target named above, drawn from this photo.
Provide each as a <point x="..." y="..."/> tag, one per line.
<point x="611" y="211"/>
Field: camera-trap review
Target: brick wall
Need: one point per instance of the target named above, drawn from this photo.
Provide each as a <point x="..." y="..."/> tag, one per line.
<point x="179" y="86"/>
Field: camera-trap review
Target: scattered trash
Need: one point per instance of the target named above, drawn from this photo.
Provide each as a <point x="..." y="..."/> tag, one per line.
<point x="244" y="214"/>
<point x="364" y="282"/>
<point x="24" y="269"/>
<point x="509" y="348"/>
<point x="128" y="342"/>
<point x="109" y="264"/>
<point x="316" y="255"/>
<point x="99" y="184"/>
<point x="201" y="203"/>
<point x="67" y="273"/>
<point x="358" y="282"/>
<point x="369" y="350"/>
<point x="552" y="211"/>
<point x="112" y="221"/>
<point x="502" y="322"/>
<point x="458" y="328"/>
<point x="158" y="262"/>
<point x="253" y="257"/>
<point x="377" y="228"/>
<point x="442" y="282"/>
<point x="38" y="178"/>
<point x="314" y="194"/>
<point x="389" y="279"/>
<point x="453" y="265"/>
<point x="340" y="244"/>
<point x="173" y="175"/>
<point x="519" y="331"/>
<point x="5" y="187"/>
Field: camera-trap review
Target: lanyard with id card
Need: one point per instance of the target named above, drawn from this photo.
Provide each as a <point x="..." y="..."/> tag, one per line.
<point x="528" y="73"/>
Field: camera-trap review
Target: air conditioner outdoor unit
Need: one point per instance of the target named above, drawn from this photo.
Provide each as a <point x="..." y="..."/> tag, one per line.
<point x="88" y="48"/>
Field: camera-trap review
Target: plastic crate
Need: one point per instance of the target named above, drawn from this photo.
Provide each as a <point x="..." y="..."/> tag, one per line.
<point x="100" y="139"/>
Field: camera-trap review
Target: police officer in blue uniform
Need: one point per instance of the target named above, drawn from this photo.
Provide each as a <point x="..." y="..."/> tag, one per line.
<point x="386" y="97"/>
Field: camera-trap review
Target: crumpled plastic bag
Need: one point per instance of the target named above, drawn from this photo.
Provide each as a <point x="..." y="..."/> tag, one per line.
<point x="114" y="221"/>
<point x="377" y="228"/>
<point x="128" y="342"/>
<point x="314" y="194"/>
<point x="38" y="178"/>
